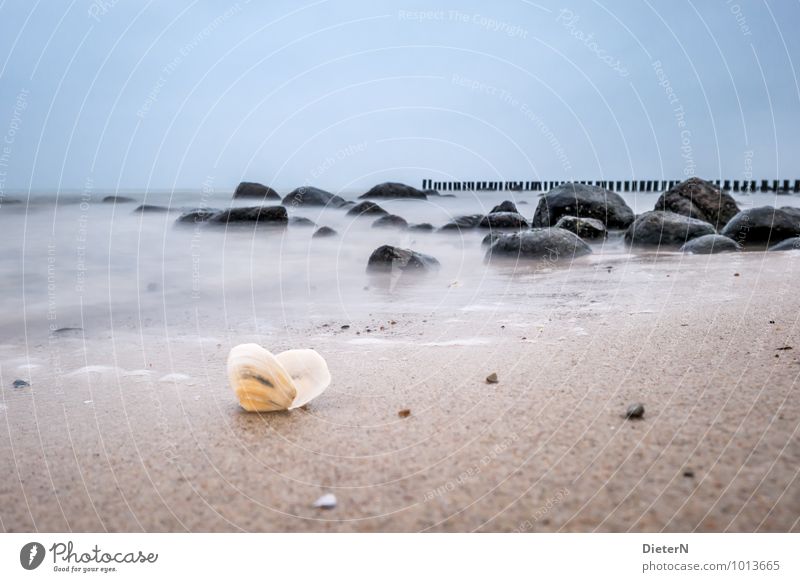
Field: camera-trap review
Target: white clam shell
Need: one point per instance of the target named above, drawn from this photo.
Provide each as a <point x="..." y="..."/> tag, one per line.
<point x="264" y="382"/>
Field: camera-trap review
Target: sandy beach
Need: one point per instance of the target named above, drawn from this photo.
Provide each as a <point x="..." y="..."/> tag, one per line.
<point x="132" y="427"/>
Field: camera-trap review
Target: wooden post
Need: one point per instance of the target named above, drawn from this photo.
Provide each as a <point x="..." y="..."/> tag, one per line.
<point x="774" y="185"/>
<point x="796" y="186"/>
<point x="764" y="186"/>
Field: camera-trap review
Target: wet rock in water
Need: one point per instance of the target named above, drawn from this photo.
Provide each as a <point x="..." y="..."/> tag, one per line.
<point x="760" y="227"/>
<point x="635" y="411"/>
<point x="463" y="223"/>
<point x="117" y="199"/>
<point x="504" y="206"/>
<point x="659" y="228"/>
<point x="553" y="244"/>
<point x="787" y="244"/>
<point x="711" y="244"/>
<point x="492" y="378"/>
<point x="150" y="208"/>
<point x="697" y="198"/>
<point x="20" y="383"/>
<point x="394" y="191"/>
<point x="327" y="501"/>
<point x="390" y="221"/>
<point x="422" y="227"/>
<point x="366" y="208"/>
<point x="586" y="228"/>
<point x="268" y="215"/>
<point x="302" y="221"/>
<point x="255" y="190"/>
<point x="792" y="211"/>
<point x="583" y="201"/>
<point x="197" y="215"/>
<point x="324" y="232"/>
<point x="490" y="238"/>
<point x="388" y="258"/>
<point x="501" y="220"/>
<point x="311" y="196"/>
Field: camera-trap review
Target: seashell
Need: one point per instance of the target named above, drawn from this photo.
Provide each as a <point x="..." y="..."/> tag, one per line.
<point x="264" y="382"/>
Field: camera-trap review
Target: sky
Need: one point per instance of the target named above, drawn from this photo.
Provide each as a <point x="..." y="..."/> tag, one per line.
<point x="119" y="95"/>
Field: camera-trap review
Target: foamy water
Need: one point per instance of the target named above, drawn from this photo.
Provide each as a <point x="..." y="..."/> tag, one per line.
<point x="94" y="266"/>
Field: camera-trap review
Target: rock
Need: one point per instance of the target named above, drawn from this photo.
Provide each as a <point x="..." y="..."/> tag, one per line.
<point x="761" y="226"/>
<point x="327" y="501"/>
<point x="583" y="201"/>
<point x="699" y="199"/>
<point x="586" y="228"/>
<point x="463" y="222"/>
<point x="366" y="208"/>
<point x="711" y="244"/>
<point x="504" y="206"/>
<point x="659" y="228"/>
<point x="490" y="238"/>
<point x="792" y="211"/>
<point x="324" y="232"/>
<point x="271" y="215"/>
<point x="492" y="378"/>
<point x="787" y="244"/>
<point x="635" y="411"/>
<point x="197" y="215"/>
<point x="393" y="191"/>
<point x="404" y="413"/>
<point x="388" y="258"/>
<point x="422" y="227"/>
<point x="310" y="196"/>
<point x="150" y="208"/>
<point x="20" y="383"/>
<point x="302" y="221"/>
<point x="117" y="199"/>
<point x="551" y="243"/>
<point x="390" y="221"/>
<point x="255" y="190"/>
<point x="501" y="220"/>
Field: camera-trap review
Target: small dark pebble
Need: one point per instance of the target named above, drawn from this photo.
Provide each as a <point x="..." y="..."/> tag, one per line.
<point x="736" y="274"/>
<point x="405" y="413"/>
<point x="345" y="326"/>
<point x="20" y="383"/>
<point x="688" y="473"/>
<point x="492" y="378"/>
<point x="784" y="348"/>
<point x="772" y="321"/>
<point x="635" y="411"/>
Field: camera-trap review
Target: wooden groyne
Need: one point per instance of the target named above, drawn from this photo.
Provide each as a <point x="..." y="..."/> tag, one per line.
<point x="778" y="186"/>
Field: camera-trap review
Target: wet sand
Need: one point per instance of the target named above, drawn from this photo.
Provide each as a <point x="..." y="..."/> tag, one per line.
<point x="153" y="440"/>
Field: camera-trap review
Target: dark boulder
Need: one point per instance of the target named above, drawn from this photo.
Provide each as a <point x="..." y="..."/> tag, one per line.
<point x="761" y="226"/>
<point x="422" y="227"/>
<point x="310" y="196"/>
<point x="504" y="206"/>
<point x="366" y="208"/>
<point x="142" y="208"/>
<point x="553" y="244"/>
<point x="268" y="215"/>
<point x="586" y="228"/>
<point x="255" y="190"/>
<point x="504" y="220"/>
<point x="792" y="211"/>
<point x="302" y="221"/>
<point x="787" y="244"/>
<point x="388" y="258"/>
<point x="117" y="199"/>
<point x="490" y="239"/>
<point x="699" y="199"/>
<point x="463" y="223"/>
<point x="197" y="215"/>
<point x="658" y="228"/>
<point x="711" y="244"/>
<point x="393" y="191"/>
<point x="390" y="221"/>
<point x="324" y="232"/>
<point x="584" y="201"/>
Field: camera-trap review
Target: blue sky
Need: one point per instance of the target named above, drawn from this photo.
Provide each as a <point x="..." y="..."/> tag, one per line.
<point x="345" y="94"/>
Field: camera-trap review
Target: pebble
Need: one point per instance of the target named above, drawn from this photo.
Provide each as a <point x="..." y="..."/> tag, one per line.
<point x="327" y="501"/>
<point x="688" y="473"/>
<point x="21" y="383"/>
<point x="635" y="411"/>
<point x="405" y="413"/>
<point x="492" y="378"/>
